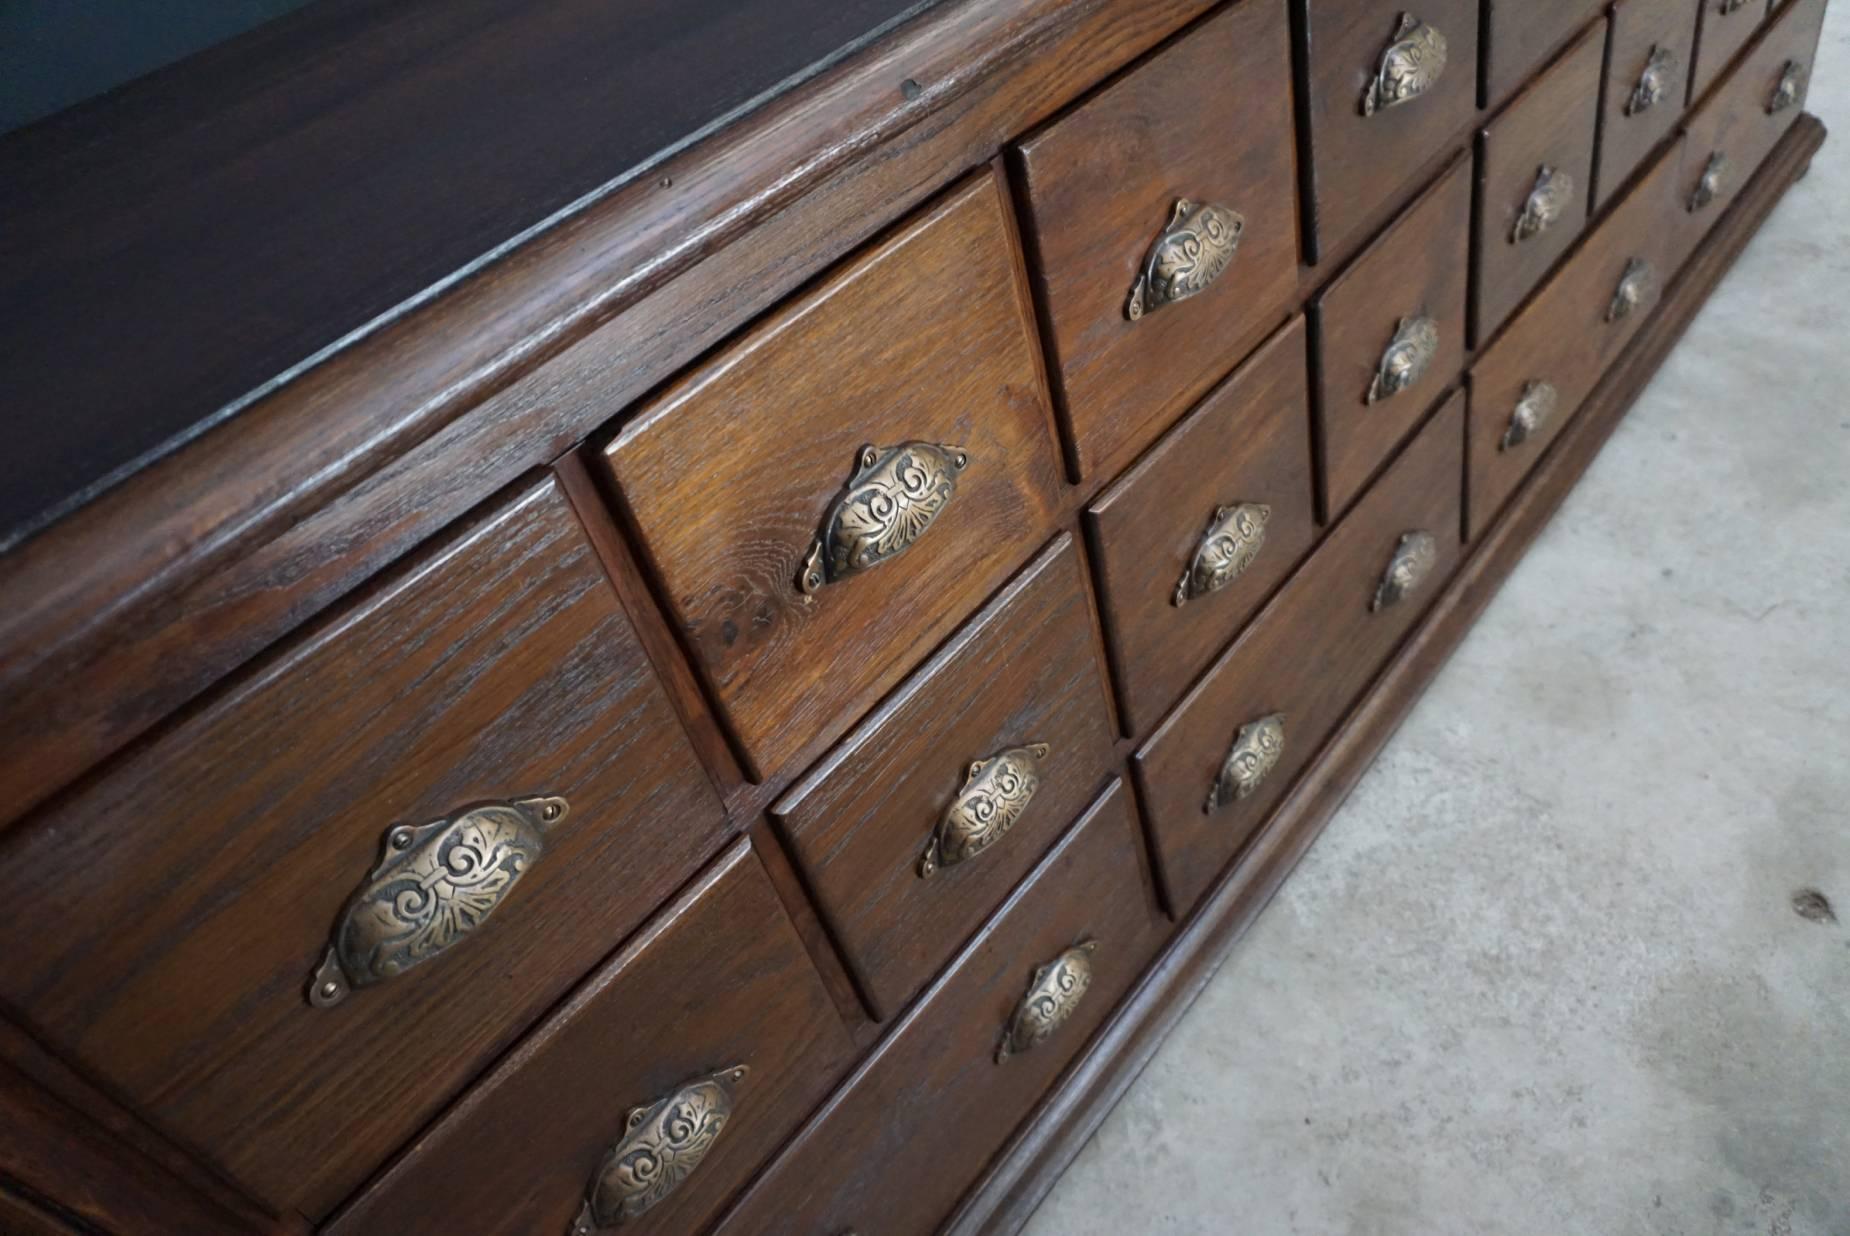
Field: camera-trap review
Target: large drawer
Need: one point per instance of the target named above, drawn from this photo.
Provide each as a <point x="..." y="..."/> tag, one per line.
<point x="978" y="761"/>
<point x="166" y="921"/>
<point x="1647" y="86"/>
<point x="899" y="1143"/>
<point x="1521" y="35"/>
<point x="827" y="499"/>
<point x="1212" y="773"/>
<point x="651" y="1097"/>
<point x="1209" y="121"/>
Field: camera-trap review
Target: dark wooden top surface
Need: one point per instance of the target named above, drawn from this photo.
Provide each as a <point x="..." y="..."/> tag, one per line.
<point x="174" y="247"/>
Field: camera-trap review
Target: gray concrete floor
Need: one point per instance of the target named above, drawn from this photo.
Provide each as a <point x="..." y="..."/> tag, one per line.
<point x="1543" y="973"/>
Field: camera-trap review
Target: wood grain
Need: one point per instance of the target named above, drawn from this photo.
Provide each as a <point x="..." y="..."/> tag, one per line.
<point x="1720" y="36"/>
<point x="1521" y="35"/>
<point x="224" y="850"/>
<point x="1640" y="30"/>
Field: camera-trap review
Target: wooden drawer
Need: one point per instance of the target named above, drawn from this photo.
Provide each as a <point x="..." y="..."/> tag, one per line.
<point x="848" y="413"/>
<point x="1738" y="125"/>
<point x="1306" y="659"/>
<point x="168" y="917"/>
<point x="1391" y="337"/>
<point x="713" y="1014"/>
<point x="1555" y="351"/>
<point x="1647" y="86"/>
<point x="1363" y="152"/>
<point x="1535" y="169"/>
<point x="897" y="1145"/>
<point x="1723" y="29"/>
<point x="1018" y="692"/>
<point x="1521" y="35"/>
<point x="1207" y="120"/>
<point x="1247" y="445"/>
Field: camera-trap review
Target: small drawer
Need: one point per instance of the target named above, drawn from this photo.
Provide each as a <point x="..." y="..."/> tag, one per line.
<point x="1391" y="337"/>
<point x="1723" y="29"/>
<point x="712" y="1018"/>
<point x="1522" y="35"/>
<point x="1207" y="121"/>
<point x="826" y="500"/>
<point x="897" y="1145"/>
<point x="1530" y="383"/>
<point x="1223" y="759"/>
<point x="917" y="825"/>
<point x="1647" y="86"/>
<point x="1390" y="88"/>
<point x="1193" y="539"/>
<point x="174" y="919"/>
<point x="1535" y="169"/>
<point x="1736" y="127"/>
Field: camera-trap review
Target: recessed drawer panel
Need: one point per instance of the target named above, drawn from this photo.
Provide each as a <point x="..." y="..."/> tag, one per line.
<point x="645" y="1102"/>
<point x="1219" y="764"/>
<point x="1391" y="332"/>
<point x="917" y="825"/>
<point x="834" y="493"/>
<point x="482" y="735"/>
<point x="1725" y="28"/>
<point x="1148" y="306"/>
<point x="1535" y="170"/>
<point x="1520" y="36"/>
<point x="1529" y="384"/>
<point x="1647" y="84"/>
<point x="899" y="1143"/>
<point x="1195" y="537"/>
<point x="1391" y="86"/>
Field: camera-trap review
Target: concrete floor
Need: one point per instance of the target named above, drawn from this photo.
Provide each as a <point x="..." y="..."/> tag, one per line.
<point x="1543" y="972"/>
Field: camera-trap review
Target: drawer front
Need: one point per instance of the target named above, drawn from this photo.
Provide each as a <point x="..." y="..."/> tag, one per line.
<point x="1529" y="384"/>
<point x="1535" y="169"/>
<point x="1391" y="335"/>
<point x="1192" y="540"/>
<point x="1724" y="28"/>
<point x="1382" y="103"/>
<point x="230" y="850"/>
<point x="1279" y="692"/>
<point x="1521" y="35"/>
<point x="915" y="828"/>
<point x="1207" y="120"/>
<point x="713" y="1014"/>
<point x="897" y="1145"/>
<point x="1647" y="84"/>
<point x="1738" y="125"/>
<point x="921" y="474"/>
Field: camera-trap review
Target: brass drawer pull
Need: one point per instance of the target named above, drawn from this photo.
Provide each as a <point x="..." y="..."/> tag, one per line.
<point x="1635" y="286"/>
<point x="1547" y="202"/>
<point x="1791" y="86"/>
<point x="1714" y="177"/>
<point x="1195" y="249"/>
<point x="434" y="885"/>
<point x="1413" y="560"/>
<point x="1232" y="542"/>
<point x="895" y="494"/>
<point x="994" y="796"/>
<point x="1255" y="753"/>
<point x="1410" y="65"/>
<point x="1534" y="409"/>
<point x="1053" y="994"/>
<point x="1654" y="84"/>
<point x="1408" y="356"/>
<point x="661" y="1146"/>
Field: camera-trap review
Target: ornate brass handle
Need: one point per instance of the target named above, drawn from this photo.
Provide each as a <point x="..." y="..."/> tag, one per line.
<point x="434" y="885"/>
<point x="1233" y="540"/>
<point x="662" y="1144"/>
<point x="1791" y="86"/>
<point x="1410" y="65"/>
<point x="1053" y="994"/>
<point x="1413" y="560"/>
<point x="1194" y="250"/>
<point x="1409" y="354"/>
<point x="1547" y="202"/>
<point x="1534" y="409"/>
<point x="1714" y="176"/>
<point x="994" y="795"/>
<point x="895" y="494"/>
<point x="1255" y="753"/>
<point x="1654" y="84"/>
<point x="1635" y="286"/>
